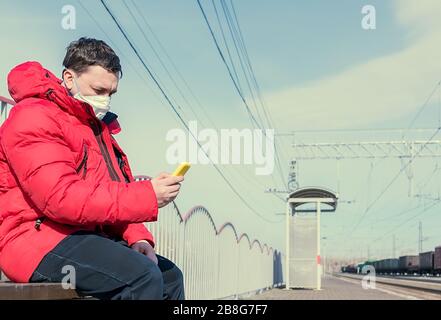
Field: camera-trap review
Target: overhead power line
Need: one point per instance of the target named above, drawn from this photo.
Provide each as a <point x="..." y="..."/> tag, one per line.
<point x="236" y="86"/>
<point x="235" y="78"/>
<point x="383" y="191"/>
<point x="170" y="103"/>
<point x="170" y="60"/>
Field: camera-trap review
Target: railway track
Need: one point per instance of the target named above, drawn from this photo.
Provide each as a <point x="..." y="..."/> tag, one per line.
<point x="414" y="278"/>
<point x="419" y="288"/>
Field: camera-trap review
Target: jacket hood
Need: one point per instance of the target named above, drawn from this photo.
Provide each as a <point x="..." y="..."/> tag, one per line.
<point x="31" y="80"/>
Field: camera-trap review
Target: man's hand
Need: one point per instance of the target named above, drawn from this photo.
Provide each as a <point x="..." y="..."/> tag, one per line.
<point x="145" y="248"/>
<point x="166" y="188"/>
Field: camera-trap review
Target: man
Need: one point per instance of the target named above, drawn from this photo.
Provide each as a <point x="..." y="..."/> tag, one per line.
<point x="68" y="200"/>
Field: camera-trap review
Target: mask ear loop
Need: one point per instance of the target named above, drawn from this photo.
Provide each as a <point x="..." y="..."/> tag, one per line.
<point x="76" y="85"/>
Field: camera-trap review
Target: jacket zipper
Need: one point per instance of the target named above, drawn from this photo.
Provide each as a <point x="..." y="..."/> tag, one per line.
<point x="121" y="163"/>
<point x="124" y="171"/>
<point x="105" y="152"/>
<point x="83" y="163"/>
<point x="107" y="159"/>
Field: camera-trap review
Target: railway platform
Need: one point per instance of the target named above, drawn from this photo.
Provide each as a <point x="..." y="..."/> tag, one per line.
<point x="343" y="287"/>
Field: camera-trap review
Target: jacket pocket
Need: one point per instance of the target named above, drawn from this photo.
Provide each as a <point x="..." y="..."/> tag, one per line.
<point x="82" y="167"/>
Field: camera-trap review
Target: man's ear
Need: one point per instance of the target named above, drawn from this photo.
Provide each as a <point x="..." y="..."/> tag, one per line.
<point x="68" y="77"/>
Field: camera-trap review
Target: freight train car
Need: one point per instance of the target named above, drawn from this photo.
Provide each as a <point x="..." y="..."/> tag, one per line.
<point x="387" y="266"/>
<point x="437" y="261"/>
<point x="426" y="262"/>
<point x="362" y="268"/>
<point x="409" y="264"/>
<point x="349" y="269"/>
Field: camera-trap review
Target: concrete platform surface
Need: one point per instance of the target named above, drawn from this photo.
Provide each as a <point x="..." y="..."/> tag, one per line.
<point x="333" y="289"/>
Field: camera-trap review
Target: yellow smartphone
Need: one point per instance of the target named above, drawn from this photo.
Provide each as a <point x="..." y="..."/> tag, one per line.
<point x="182" y="169"/>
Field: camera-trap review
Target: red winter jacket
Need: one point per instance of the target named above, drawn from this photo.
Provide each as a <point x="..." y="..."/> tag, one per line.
<point x="59" y="162"/>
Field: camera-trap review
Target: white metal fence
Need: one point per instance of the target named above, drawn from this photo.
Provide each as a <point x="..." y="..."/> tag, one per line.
<point x="217" y="263"/>
<point x="5" y="105"/>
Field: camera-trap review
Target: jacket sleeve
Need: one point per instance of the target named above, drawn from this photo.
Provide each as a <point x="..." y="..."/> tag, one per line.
<point x="44" y="167"/>
<point x="131" y="233"/>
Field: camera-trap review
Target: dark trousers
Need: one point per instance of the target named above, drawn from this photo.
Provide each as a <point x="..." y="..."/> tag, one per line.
<point x="108" y="269"/>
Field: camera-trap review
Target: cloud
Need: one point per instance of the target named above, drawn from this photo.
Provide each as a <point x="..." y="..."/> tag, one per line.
<point x="382" y="89"/>
<point x="420" y="15"/>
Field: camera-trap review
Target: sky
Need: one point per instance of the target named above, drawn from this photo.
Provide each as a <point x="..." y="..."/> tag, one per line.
<point x="317" y="68"/>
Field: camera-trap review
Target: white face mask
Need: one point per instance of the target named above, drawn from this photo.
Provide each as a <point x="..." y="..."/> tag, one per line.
<point x="99" y="103"/>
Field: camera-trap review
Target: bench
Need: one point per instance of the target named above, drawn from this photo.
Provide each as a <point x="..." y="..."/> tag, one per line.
<point x="34" y="291"/>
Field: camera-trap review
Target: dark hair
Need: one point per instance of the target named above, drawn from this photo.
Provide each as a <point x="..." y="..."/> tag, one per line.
<point x="86" y="52"/>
